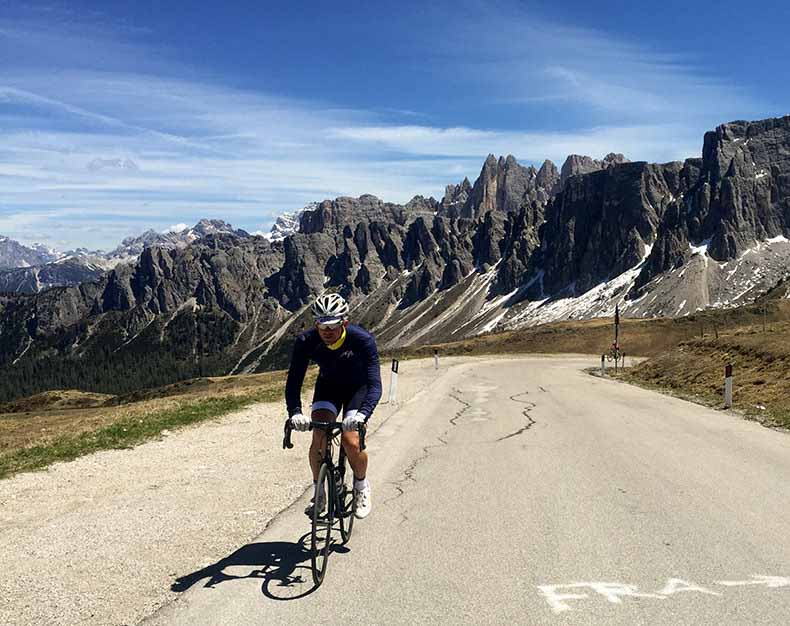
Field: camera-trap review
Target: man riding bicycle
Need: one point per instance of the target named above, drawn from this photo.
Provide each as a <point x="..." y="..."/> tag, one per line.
<point x="349" y="380"/>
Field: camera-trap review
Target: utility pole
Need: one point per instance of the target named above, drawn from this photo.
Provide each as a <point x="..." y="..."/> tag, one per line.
<point x="616" y="335"/>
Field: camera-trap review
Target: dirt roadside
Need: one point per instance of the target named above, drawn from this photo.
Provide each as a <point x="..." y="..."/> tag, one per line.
<point x="100" y="540"/>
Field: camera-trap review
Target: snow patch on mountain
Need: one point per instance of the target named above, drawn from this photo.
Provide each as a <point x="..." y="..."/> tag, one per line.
<point x="600" y="301"/>
<point x="701" y="249"/>
<point x="696" y="285"/>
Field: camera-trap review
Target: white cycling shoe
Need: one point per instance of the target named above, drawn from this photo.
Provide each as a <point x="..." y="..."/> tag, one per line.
<point x="363" y="502"/>
<point x="321" y="504"/>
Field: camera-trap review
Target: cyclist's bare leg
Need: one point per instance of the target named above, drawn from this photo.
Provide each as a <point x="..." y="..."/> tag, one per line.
<point x="356" y="457"/>
<point x="318" y="445"/>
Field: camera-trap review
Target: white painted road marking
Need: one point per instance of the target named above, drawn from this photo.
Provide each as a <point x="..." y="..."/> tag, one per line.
<point x="676" y="585"/>
<point x="611" y="591"/>
<point x="773" y="582"/>
<point x="615" y="592"/>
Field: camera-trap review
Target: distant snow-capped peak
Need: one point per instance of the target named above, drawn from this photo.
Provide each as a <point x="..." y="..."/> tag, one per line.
<point x="176" y="236"/>
<point x="214" y="227"/>
<point x="288" y="223"/>
<point x="14" y="254"/>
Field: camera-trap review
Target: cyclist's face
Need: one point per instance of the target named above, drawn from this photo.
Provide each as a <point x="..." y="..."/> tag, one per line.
<point x="330" y="335"/>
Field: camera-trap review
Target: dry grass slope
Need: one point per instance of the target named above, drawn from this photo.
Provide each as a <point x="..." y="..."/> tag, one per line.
<point x="63" y="425"/>
<point x="761" y="371"/>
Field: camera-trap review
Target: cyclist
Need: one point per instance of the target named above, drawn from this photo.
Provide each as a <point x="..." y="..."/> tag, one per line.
<point x="348" y="380"/>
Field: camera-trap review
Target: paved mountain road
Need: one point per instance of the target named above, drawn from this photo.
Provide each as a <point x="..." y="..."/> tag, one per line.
<point x="526" y="491"/>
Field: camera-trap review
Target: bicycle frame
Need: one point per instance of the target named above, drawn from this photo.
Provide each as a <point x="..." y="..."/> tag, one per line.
<point x="332" y="430"/>
<point x="335" y="493"/>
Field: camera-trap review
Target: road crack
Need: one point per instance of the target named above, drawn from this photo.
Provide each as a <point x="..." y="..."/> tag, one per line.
<point x="530" y="422"/>
<point x="466" y="404"/>
<point x="408" y="473"/>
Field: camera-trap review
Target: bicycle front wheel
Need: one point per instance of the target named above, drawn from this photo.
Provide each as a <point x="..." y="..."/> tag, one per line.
<point x="321" y="536"/>
<point x="347" y="504"/>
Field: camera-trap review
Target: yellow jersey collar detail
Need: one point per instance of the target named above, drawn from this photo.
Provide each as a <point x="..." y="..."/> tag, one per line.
<point x="339" y="342"/>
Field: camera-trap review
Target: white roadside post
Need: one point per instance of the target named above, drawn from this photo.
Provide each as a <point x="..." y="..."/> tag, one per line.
<point x="394" y="381"/>
<point x="728" y="386"/>
<point x="436" y="358"/>
<point x="603" y="365"/>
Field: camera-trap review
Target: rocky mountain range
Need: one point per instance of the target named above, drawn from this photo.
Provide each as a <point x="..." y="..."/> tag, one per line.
<point x="32" y="269"/>
<point x="13" y="254"/>
<point x="518" y="247"/>
<point x="133" y="246"/>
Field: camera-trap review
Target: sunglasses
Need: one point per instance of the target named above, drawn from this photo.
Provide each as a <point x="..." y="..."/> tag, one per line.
<point x="329" y="326"/>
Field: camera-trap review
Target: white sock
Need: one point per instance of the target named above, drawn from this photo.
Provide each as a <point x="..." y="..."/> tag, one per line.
<point x="360" y="484"/>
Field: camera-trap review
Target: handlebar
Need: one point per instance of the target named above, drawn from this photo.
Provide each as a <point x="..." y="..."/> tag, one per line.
<point x="328" y="427"/>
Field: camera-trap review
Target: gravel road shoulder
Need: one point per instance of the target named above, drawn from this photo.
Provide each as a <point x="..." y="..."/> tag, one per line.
<point x="100" y="540"/>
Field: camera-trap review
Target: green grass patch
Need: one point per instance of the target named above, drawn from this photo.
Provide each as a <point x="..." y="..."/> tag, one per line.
<point x="129" y="431"/>
<point x="781" y="417"/>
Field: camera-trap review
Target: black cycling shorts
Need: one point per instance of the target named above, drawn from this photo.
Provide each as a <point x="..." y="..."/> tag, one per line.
<point x="333" y="397"/>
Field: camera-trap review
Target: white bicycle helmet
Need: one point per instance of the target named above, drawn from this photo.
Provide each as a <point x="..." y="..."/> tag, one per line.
<point x="330" y="307"/>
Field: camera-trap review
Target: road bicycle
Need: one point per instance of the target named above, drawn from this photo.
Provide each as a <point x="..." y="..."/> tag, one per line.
<point x="340" y="501"/>
<point x="614" y="354"/>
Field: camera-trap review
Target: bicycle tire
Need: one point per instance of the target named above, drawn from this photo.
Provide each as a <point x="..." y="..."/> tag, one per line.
<point x="321" y="534"/>
<point x="346" y="512"/>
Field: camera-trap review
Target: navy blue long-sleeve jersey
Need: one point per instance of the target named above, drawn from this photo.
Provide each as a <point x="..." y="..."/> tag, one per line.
<point x="354" y="364"/>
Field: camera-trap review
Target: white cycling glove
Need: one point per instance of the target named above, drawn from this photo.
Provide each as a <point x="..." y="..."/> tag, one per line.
<point x="351" y="420"/>
<point x="300" y="422"/>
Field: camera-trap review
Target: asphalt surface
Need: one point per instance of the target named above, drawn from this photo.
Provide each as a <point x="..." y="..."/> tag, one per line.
<point x="526" y="491"/>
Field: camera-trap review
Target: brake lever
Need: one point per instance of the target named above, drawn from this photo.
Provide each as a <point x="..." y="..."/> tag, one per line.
<point x="362" y="429"/>
<point x="287" y="435"/>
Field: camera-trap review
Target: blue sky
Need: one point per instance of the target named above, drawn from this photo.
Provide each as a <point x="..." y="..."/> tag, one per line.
<point x="118" y="117"/>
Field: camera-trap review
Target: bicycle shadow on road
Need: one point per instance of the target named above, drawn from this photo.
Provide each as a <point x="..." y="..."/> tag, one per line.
<point x="284" y="567"/>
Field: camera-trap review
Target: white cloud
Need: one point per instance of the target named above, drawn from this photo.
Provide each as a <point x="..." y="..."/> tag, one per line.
<point x="656" y="142"/>
<point x="246" y="158"/>
<point x="177" y="228"/>
<point x="98" y="150"/>
<point x="591" y="76"/>
<point x="118" y="164"/>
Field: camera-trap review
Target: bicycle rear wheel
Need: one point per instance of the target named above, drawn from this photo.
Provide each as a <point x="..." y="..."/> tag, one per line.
<point x="321" y="536"/>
